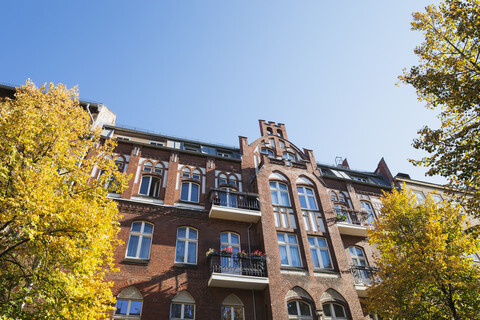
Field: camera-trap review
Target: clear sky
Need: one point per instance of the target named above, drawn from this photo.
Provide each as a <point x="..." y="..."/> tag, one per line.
<point x="208" y="70"/>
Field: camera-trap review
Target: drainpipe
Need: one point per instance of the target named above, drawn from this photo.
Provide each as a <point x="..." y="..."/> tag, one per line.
<point x="254" y="307"/>
<point x="89" y="113"/>
<point x="253" y="291"/>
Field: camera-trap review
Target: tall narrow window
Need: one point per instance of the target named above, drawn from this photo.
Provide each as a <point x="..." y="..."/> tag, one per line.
<point x="190" y="192"/>
<point x="288" y="247"/>
<point x="360" y="265"/>
<point x="129" y="304"/>
<point x="182" y="307"/>
<point x="230" y="241"/>
<point x="368" y="208"/>
<point x="186" y="248"/>
<point x="299" y="310"/>
<point x="320" y="253"/>
<point x="140" y="240"/>
<point x="311" y="215"/>
<point x="279" y="193"/>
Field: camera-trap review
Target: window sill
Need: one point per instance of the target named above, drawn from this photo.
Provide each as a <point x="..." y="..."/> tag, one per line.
<point x="185" y="266"/>
<point x="292" y="268"/>
<point x="133" y="261"/>
<point x="326" y="273"/>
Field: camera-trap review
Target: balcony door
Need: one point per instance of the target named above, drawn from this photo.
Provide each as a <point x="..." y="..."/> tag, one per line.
<point x="230" y="263"/>
<point x="360" y="264"/>
<point x="228" y="199"/>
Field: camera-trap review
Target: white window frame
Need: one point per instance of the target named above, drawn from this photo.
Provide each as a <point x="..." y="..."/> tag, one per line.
<point x="299" y="316"/>
<point x="187" y="240"/>
<point x="233" y="312"/>
<point x="284" y="217"/>
<point x="141" y="235"/>
<point x="318" y="248"/>
<point x="332" y="311"/>
<point x="182" y="312"/>
<point x="289" y="245"/>
<point x="289" y="156"/>
<point x="189" y="193"/>
<point x="156" y="191"/>
<point x="279" y="192"/>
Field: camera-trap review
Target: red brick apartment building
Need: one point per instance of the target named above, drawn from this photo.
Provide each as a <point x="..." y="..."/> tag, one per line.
<point x="198" y="218"/>
<point x="257" y="232"/>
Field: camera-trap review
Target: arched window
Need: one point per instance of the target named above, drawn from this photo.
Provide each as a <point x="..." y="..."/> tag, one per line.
<point x="333" y="196"/>
<point x="279" y="133"/>
<point x="311" y="215"/>
<point x="182" y="307"/>
<point x="299" y="310"/>
<point x="230" y="241"/>
<point x="190" y="192"/>
<point x="140" y="240"/>
<point x="147" y="166"/>
<point x="222" y="179"/>
<point x="288" y="156"/>
<point x="186" y="172"/>
<point x="360" y="265"/>
<point x="232" y="180"/>
<point x="129" y="304"/>
<point x="186" y="247"/>
<point x="232" y="308"/>
<point x="334" y="311"/>
<point x="120" y="163"/>
<point x="269" y="131"/>
<point x="158" y="168"/>
<point x="196" y="174"/>
<point x="368" y="208"/>
<point x="341" y="197"/>
<point x="268" y="151"/>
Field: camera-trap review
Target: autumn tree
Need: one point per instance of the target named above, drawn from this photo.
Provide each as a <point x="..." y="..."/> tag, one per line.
<point x="448" y="79"/>
<point x="424" y="268"/>
<point x="57" y="226"/>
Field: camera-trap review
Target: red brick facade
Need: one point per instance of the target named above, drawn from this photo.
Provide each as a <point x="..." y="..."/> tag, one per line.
<point x="270" y="158"/>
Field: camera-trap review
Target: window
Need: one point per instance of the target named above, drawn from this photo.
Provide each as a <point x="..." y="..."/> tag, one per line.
<point x="196" y="174"/>
<point x="120" y="163"/>
<point x="186" y="247"/>
<point x="158" y="168"/>
<point x="307" y="198"/>
<point x="279" y="193"/>
<point x="232" y="308"/>
<point x="341" y="197"/>
<point x="299" y="310"/>
<point x="222" y="179"/>
<point x="147" y="167"/>
<point x="320" y="253"/>
<point x="288" y="156"/>
<point x="157" y="143"/>
<point x="334" y="311"/>
<point x="360" y="264"/>
<point x="150" y="186"/>
<point x="420" y="196"/>
<point x="437" y="198"/>
<point x="140" y="240"/>
<point x="190" y="192"/>
<point x="282" y="144"/>
<point x="230" y="240"/>
<point x="224" y="154"/>
<point x="191" y="147"/>
<point x="368" y="208"/>
<point x="186" y="173"/>
<point x="129" y="304"/>
<point x="311" y="216"/>
<point x="182" y="307"/>
<point x="284" y="217"/>
<point x="289" y="253"/>
<point x="333" y="195"/>
<point x="474" y="256"/>
<point x="232" y="180"/>
<point x="267" y="151"/>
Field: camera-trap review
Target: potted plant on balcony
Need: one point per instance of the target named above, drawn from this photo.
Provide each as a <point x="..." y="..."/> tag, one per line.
<point x="226" y="251"/>
<point x="242" y="254"/>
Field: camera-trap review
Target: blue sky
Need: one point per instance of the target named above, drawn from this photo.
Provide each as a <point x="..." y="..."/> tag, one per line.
<point x="208" y="70"/>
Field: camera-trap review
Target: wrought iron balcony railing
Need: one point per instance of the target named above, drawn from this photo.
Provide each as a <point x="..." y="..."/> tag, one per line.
<point x="360" y="218"/>
<point x="363" y="275"/>
<point x="233" y="263"/>
<point x="234" y="199"/>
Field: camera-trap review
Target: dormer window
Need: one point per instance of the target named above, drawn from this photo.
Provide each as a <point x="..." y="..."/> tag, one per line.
<point x="288" y="156"/>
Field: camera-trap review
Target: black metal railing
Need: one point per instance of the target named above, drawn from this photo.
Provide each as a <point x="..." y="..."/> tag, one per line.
<point x="363" y="275"/>
<point x="353" y="217"/>
<point x="237" y="264"/>
<point x="234" y="199"/>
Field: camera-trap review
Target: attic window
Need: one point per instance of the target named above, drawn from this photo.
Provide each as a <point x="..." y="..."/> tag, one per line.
<point x="190" y="147"/>
<point x="157" y="143"/>
<point x="123" y="138"/>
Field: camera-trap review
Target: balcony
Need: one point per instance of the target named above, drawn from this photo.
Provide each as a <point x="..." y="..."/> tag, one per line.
<point x="234" y="271"/>
<point x="233" y="205"/>
<point x="353" y="223"/>
<point x="363" y="278"/>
